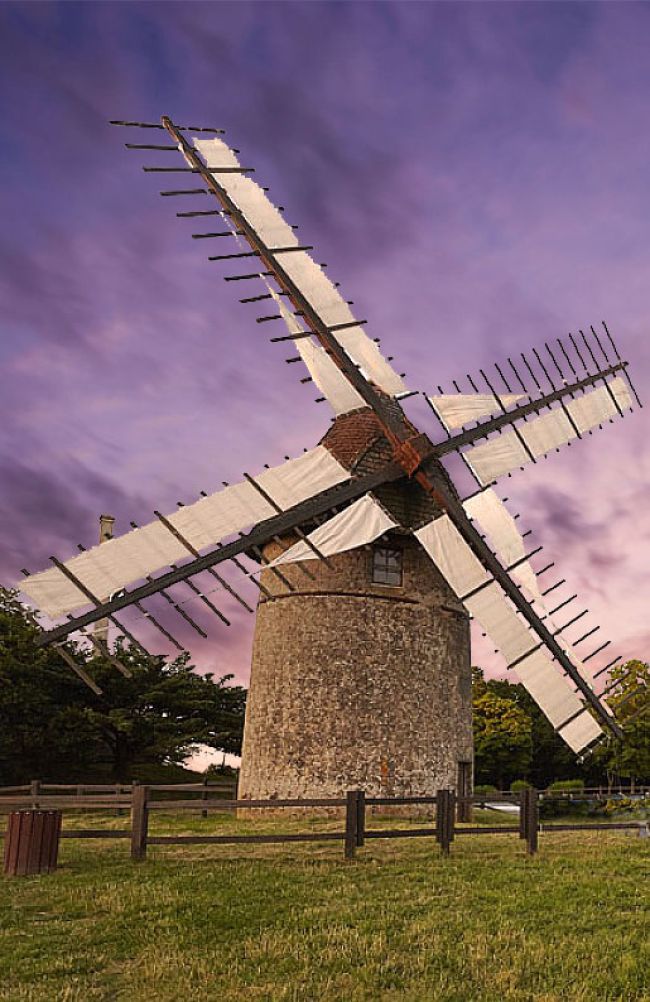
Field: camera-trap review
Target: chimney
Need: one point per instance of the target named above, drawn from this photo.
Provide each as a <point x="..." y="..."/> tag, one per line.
<point x="106" y="523"/>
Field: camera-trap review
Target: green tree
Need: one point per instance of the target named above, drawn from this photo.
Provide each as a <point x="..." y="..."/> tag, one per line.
<point x="553" y="760"/>
<point x="629" y="758"/>
<point x="162" y="712"/>
<point x="38" y="701"/>
<point x="551" y="757"/>
<point x="502" y="736"/>
<point x="54" y="727"/>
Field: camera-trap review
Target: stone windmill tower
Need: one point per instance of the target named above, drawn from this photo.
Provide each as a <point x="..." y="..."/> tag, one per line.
<point x="361" y="675"/>
<point x="371" y="561"/>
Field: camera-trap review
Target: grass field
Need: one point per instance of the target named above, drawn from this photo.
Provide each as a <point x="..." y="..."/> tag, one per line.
<point x="297" y="923"/>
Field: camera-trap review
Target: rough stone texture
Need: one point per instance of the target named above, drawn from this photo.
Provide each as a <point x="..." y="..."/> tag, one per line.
<point x="357" y="685"/>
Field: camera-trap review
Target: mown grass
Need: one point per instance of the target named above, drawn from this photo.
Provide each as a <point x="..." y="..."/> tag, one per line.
<point x="297" y="923"/>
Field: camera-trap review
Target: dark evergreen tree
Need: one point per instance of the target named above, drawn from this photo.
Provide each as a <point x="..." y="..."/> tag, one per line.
<point x="52" y="726"/>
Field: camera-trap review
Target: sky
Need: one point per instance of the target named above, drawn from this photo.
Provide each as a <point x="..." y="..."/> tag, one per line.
<point x="475" y="175"/>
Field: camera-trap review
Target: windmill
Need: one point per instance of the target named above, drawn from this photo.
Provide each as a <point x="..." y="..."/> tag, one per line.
<point x="368" y="562"/>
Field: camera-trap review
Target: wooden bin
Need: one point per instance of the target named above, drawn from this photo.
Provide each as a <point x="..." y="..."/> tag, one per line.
<point x="31" y="842"/>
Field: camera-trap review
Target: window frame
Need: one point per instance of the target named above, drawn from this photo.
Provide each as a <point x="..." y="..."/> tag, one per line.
<point x="389" y="549"/>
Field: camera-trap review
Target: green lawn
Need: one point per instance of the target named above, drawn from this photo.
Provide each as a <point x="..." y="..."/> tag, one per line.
<point x="297" y="922"/>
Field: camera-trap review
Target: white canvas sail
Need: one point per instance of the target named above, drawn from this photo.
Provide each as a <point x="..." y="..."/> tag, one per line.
<point x="125" y="559"/>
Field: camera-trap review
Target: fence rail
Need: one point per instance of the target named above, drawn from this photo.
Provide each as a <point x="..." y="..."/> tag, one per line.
<point x="105" y="796"/>
<point x="36" y="788"/>
<point x="143" y="799"/>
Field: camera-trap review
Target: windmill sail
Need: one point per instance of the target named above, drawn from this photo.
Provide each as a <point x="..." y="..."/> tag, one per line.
<point x="493" y="516"/>
<point x="490" y="512"/>
<point x="458" y="409"/>
<point x="486" y="602"/>
<point x="559" y="703"/>
<point x="281" y="523"/>
<point x="329" y="379"/>
<point x="124" y="559"/>
<point x="360" y="524"/>
<point x="531" y="440"/>
<point x="307" y="277"/>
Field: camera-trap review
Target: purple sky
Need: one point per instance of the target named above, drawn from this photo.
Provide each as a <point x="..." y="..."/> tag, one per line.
<point x="476" y="176"/>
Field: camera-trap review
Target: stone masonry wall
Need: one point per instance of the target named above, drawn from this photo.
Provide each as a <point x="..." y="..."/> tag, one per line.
<point x="355" y="684"/>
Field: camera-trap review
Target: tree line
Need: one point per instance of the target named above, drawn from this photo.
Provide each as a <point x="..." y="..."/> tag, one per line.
<point x="514" y="740"/>
<point x="52" y="726"/>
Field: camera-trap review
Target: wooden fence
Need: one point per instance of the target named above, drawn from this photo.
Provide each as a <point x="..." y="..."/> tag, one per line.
<point x="142" y="800"/>
<point x="35" y="795"/>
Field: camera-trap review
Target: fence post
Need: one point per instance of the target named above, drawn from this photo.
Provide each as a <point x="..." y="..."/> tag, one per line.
<point x="465" y="805"/>
<point x="523" y="813"/>
<point x="361" y="817"/>
<point x="204" y="796"/>
<point x="464" y="810"/>
<point x="139" y="822"/>
<point x="134" y="784"/>
<point x="440" y="812"/>
<point x="351" y="822"/>
<point x="445" y="808"/>
<point x="34" y="791"/>
<point x="532" y="822"/>
<point x="451" y="816"/>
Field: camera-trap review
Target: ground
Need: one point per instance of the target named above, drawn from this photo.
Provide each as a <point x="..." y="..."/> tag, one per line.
<point x="297" y="923"/>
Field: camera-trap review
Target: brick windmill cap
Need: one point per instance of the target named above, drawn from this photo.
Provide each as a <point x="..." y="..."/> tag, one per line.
<point x="353" y="435"/>
<point x="357" y="440"/>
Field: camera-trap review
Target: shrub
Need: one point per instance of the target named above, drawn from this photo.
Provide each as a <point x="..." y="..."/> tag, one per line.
<point x="563" y="798"/>
<point x="637" y="807"/>
<point x="567" y="786"/>
<point x="519" y="785"/>
<point x="485" y="788"/>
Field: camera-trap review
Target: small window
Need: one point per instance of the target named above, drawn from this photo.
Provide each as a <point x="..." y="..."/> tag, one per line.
<point x="387" y="565"/>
